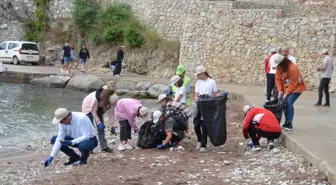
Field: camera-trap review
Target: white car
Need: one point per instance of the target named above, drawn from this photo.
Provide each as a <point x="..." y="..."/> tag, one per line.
<point x="17" y="52"/>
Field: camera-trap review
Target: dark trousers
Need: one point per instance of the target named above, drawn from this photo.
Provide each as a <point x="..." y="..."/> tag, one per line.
<point x="84" y="147"/>
<point x="253" y="132"/>
<point x="201" y="131"/>
<point x="117" y="69"/>
<point x="324" y="86"/>
<point x="101" y="132"/>
<point x="270" y="85"/>
<point x="175" y="140"/>
<point x="125" y="130"/>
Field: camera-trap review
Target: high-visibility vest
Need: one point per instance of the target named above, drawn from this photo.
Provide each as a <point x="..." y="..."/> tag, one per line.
<point x="186" y="84"/>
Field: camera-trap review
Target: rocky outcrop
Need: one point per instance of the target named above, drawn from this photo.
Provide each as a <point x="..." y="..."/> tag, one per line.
<point x="143" y="86"/>
<point x="125" y="85"/>
<point x="156" y="90"/>
<point x="54" y="81"/>
<point x="86" y="83"/>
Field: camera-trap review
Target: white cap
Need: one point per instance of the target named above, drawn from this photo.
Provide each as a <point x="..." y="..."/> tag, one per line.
<point x="273" y="50"/>
<point x="60" y="114"/>
<point x="200" y="69"/>
<point x="161" y="97"/>
<point x="247" y="108"/>
<point x="325" y="51"/>
<point x="277" y="58"/>
<point x="156" y="116"/>
<point x="174" y="79"/>
<point x="113" y="99"/>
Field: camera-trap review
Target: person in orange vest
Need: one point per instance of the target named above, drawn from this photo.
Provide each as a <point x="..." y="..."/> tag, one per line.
<point x="260" y="122"/>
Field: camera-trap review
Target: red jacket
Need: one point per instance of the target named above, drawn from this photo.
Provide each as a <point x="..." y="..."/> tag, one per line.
<point x="267" y="67"/>
<point x="266" y="121"/>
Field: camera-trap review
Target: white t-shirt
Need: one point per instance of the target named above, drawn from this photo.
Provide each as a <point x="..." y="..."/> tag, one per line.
<point x="179" y="91"/>
<point x="272" y="65"/>
<point x="206" y="87"/>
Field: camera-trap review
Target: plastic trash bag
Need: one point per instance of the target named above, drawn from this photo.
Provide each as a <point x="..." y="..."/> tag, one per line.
<point x="213" y="111"/>
<point x="276" y="107"/>
<point x="150" y="135"/>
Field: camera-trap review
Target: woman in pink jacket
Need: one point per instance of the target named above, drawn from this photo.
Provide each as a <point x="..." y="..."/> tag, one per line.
<point x="95" y="105"/>
<point x="126" y="111"/>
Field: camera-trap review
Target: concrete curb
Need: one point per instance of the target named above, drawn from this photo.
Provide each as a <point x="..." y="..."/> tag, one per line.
<point x="292" y="144"/>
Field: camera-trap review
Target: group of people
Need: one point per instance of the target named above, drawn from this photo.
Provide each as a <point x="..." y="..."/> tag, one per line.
<point x="70" y="58"/>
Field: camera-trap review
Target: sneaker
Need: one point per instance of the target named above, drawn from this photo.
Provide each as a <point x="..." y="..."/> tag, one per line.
<point x="256" y="148"/>
<point x="121" y="147"/>
<point x="326" y="105"/>
<point x="107" y="150"/>
<point x="270" y="145"/>
<point x="289" y="126"/>
<point x="317" y="104"/>
<point x="73" y="159"/>
<point x="80" y="163"/>
<point x="285" y="124"/>
<point x="198" y="146"/>
<point x="117" y="75"/>
<point x="203" y="149"/>
<point x="128" y="147"/>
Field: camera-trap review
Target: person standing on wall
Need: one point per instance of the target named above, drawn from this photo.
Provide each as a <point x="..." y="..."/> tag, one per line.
<point x="290" y="85"/>
<point x="75" y="130"/>
<point x="270" y="73"/>
<point x="95" y="105"/>
<point x="285" y="53"/>
<point x="180" y="71"/>
<point x="120" y="58"/>
<point x="84" y="54"/>
<point x="66" y="57"/>
<point x="205" y="87"/>
<point x="327" y="69"/>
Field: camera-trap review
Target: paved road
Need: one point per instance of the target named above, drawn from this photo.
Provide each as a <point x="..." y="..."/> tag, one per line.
<point x="314" y="134"/>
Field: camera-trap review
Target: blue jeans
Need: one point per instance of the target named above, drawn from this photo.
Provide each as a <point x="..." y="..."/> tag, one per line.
<point x="84" y="147"/>
<point x="289" y="114"/>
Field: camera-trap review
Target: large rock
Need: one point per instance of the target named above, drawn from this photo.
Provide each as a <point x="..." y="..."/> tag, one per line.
<point x="143" y="86"/>
<point x="51" y="81"/>
<point x="86" y="83"/>
<point x="125" y="85"/>
<point x="122" y="92"/>
<point x="156" y="90"/>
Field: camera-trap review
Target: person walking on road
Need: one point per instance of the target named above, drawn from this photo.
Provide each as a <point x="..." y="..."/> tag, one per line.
<point x="84" y="54"/>
<point x="73" y="57"/>
<point x="205" y="87"/>
<point x="120" y="58"/>
<point x="66" y="58"/>
<point x="126" y="112"/>
<point x="270" y="74"/>
<point x="75" y="130"/>
<point x="94" y="106"/>
<point x="258" y="123"/>
<point x="290" y="85"/>
<point x="327" y="69"/>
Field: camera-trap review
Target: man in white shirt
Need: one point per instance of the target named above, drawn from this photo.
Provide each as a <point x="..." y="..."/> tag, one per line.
<point x="285" y="53"/>
<point x="76" y="130"/>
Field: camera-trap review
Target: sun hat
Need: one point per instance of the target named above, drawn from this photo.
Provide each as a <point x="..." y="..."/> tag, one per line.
<point x="180" y="70"/>
<point x="161" y="97"/>
<point x="60" y="114"/>
<point x="277" y="58"/>
<point x="200" y="69"/>
<point x="174" y="80"/>
<point x="113" y="99"/>
<point x="143" y="111"/>
<point x="325" y="51"/>
<point x="156" y="116"/>
<point x="247" y="108"/>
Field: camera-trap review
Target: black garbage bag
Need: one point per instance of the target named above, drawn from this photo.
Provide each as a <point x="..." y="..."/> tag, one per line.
<point x="150" y="135"/>
<point x="276" y="107"/>
<point x="213" y="111"/>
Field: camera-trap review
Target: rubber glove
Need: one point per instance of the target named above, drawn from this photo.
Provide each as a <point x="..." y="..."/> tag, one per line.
<point x="66" y="142"/>
<point x="161" y="146"/>
<point x="101" y="126"/>
<point x="113" y="131"/>
<point x="48" y="161"/>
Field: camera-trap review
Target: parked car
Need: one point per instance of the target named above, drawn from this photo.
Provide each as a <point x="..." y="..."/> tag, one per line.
<point x="17" y="52"/>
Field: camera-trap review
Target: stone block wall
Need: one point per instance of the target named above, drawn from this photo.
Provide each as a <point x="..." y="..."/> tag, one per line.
<point x="60" y="9"/>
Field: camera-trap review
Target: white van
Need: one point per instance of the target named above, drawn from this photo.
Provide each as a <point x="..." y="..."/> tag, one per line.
<point x="17" y="52"/>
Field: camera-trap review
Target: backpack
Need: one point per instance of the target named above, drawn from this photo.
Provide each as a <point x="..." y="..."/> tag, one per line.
<point x="181" y="124"/>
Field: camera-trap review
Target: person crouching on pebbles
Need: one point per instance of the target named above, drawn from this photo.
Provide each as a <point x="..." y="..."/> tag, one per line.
<point x="126" y="111"/>
<point x="95" y="105"/>
<point x="76" y="130"/>
<point x="260" y="122"/>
